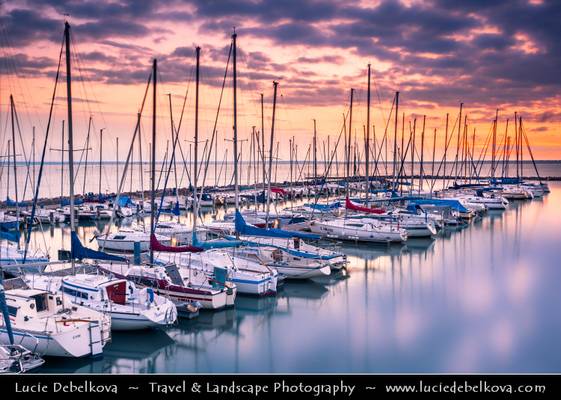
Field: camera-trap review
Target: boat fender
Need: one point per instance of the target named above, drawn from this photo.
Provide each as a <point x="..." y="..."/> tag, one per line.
<point x="150" y="295"/>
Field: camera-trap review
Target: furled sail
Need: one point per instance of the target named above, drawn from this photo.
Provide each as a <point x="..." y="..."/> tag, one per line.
<point x="155" y="245"/>
<point x="355" y="207"/>
<point x="78" y="251"/>
<point x="249" y="230"/>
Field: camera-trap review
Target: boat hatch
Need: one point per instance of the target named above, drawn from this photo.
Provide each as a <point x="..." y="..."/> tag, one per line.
<point x="41" y="302"/>
<point x="117" y="292"/>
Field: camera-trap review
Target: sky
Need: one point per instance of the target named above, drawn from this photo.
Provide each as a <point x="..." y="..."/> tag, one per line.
<point x="503" y="55"/>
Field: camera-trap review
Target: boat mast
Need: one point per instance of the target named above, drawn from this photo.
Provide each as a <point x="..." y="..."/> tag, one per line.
<point x="432" y="163"/>
<point x="196" y="144"/>
<point x="421" y="167"/>
<point x="100" y="160"/>
<point x="367" y="146"/>
<point x="271" y="140"/>
<point x="445" y="151"/>
<point x="395" y="139"/>
<point x="412" y="140"/>
<point x="153" y="156"/>
<point x="87" y="150"/>
<point x="12" y="106"/>
<point x="516" y="143"/>
<point x="456" y="160"/>
<point x="494" y="143"/>
<point x="505" y="148"/>
<point x="70" y="132"/>
<point x="33" y="158"/>
<point x="235" y="138"/>
<point x="521" y="148"/>
<point x="117" y="159"/>
<point x="315" y="152"/>
<point x="62" y="163"/>
<point x="348" y="155"/>
<point x="263" y="144"/>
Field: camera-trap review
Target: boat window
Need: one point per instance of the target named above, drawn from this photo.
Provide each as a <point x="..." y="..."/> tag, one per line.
<point x="74" y="293"/>
<point x="13" y="311"/>
<point x="356" y="225"/>
<point x="41" y="302"/>
<point x="119" y="237"/>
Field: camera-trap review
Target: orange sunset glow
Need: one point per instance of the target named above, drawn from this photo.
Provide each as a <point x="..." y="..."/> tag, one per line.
<point x="437" y="54"/>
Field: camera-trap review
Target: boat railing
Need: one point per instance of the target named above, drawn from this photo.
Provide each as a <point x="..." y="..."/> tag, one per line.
<point x="27" y="334"/>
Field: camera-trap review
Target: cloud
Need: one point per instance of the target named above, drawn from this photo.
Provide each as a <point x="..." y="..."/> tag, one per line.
<point x="437" y="52"/>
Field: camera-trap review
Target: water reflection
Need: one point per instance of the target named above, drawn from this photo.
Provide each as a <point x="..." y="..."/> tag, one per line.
<point x="480" y="298"/>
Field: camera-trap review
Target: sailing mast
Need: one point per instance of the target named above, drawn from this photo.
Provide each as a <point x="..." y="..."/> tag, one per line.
<point x="12" y="106"/>
<point x="70" y="131"/>
<point x="271" y="140"/>
<point x="263" y="144"/>
<point x="395" y="140"/>
<point x="367" y="146"/>
<point x="153" y="157"/>
<point x="315" y="152"/>
<point x="87" y="150"/>
<point x="516" y="144"/>
<point x="235" y="138"/>
<point x="196" y="144"/>
<point x="494" y="144"/>
<point x="421" y="167"/>
<point x="348" y="155"/>
<point x="100" y="160"/>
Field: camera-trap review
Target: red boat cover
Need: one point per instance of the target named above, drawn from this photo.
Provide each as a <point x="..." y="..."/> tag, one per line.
<point x="278" y="190"/>
<point x="157" y="246"/>
<point x="355" y="207"/>
<point x="117" y="292"/>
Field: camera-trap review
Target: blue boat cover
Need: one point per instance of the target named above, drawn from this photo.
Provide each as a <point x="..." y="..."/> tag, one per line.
<point x="175" y="211"/>
<point x="125" y="201"/>
<point x="324" y="207"/>
<point x="453" y="204"/>
<point x="66" y="202"/>
<point x="98" y="198"/>
<point x="10" y="236"/>
<point x="12" y="203"/>
<point x="244" y="229"/>
<point x="78" y="251"/>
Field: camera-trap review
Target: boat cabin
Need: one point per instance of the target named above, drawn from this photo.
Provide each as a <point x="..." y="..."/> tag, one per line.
<point x="97" y="288"/>
<point x="26" y="304"/>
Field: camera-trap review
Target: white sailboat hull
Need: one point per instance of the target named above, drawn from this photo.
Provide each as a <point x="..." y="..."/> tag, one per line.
<point x="83" y="341"/>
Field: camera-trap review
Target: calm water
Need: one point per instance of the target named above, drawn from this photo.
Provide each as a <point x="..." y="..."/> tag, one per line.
<point x="481" y="299"/>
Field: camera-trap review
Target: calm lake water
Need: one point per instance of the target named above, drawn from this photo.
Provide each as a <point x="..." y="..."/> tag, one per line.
<point x="481" y="299"/>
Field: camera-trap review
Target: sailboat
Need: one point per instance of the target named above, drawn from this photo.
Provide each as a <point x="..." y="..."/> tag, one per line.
<point x="14" y="358"/>
<point x="249" y="277"/>
<point x="359" y="231"/>
<point x="128" y="307"/>
<point x="44" y="322"/>
<point x="125" y="238"/>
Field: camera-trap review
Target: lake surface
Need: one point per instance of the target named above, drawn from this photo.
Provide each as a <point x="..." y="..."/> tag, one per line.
<point x="481" y="299"/>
